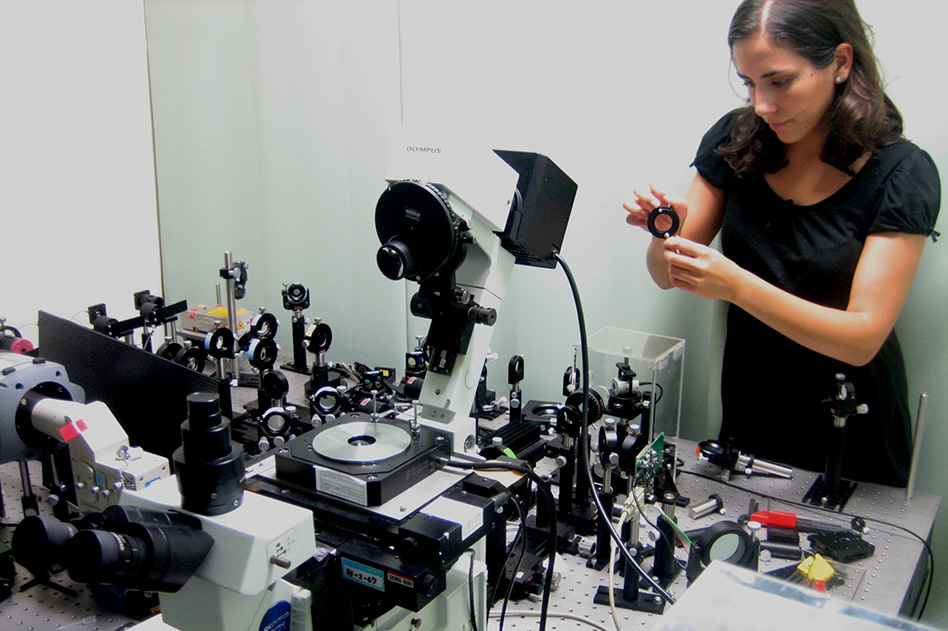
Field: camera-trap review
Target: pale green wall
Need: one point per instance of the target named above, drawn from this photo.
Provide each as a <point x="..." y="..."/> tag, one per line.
<point x="272" y="123"/>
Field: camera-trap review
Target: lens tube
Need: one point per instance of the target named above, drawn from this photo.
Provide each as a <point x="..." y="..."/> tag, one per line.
<point x="208" y="464"/>
<point x="663" y="222"/>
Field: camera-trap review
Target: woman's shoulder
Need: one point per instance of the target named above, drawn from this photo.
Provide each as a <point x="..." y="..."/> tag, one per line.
<point x="909" y="188"/>
<point x="904" y="159"/>
<point x="903" y="149"/>
<point x="720" y="131"/>
<point x="708" y="160"/>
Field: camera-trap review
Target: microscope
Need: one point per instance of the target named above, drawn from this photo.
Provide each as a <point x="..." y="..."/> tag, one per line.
<point x="217" y="554"/>
<point x="455" y="221"/>
<point x="359" y="522"/>
<point x="432" y="235"/>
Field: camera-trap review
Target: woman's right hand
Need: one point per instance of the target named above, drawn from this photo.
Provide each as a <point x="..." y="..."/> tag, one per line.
<point x="707" y="209"/>
<point x="643" y="205"/>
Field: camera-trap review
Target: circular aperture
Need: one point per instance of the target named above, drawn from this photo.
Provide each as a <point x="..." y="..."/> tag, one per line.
<point x="663" y="222"/>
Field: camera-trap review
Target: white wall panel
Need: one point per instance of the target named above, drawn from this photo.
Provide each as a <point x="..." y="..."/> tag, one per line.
<point x="77" y="183"/>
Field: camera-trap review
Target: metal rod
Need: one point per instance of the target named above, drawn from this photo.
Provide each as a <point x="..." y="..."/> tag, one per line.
<point x="232" y="310"/>
<point x="917" y="444"/>
<point x="29" y="502"/>
<point x="171" y="330"/>
<point x="196" y="336"/>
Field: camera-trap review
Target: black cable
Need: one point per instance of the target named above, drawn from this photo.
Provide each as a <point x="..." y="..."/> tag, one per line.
<point x="584" y="438"/>
<point x="543" y="490"/>
<point x="638" y="507"/>
<point x="817" y="509"/>
<point x="659" y="393"/>
<point x="146" y="337"/>
<point x="516" y="569"/>
<point x="470" y="591"/>
<point x="492" y="589"/>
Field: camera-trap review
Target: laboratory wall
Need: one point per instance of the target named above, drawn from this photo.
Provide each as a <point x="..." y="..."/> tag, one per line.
<point x="78" y="215"/>
<point x="273" y="122"/>
<point x="272" y="125"/>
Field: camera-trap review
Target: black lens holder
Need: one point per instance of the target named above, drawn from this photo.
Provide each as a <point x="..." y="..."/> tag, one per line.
<point x="658" y="213"/>
<point x="264" y="325"/>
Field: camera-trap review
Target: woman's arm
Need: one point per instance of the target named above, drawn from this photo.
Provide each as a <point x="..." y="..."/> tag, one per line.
<point x="880" y="287"/>
<point x="701" y="213"/>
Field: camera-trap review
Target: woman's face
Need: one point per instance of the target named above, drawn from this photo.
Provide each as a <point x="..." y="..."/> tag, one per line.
<point x="786" y="90"/>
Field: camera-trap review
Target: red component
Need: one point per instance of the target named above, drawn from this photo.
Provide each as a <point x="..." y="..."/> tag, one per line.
<point x="21" y="346"/>
<point x="778" y="518"/>
<point x="70" y="431"/>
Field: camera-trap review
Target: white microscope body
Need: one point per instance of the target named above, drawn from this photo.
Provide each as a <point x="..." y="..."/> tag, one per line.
<point x="239" y="586"/>
<point x="480" y="188"/>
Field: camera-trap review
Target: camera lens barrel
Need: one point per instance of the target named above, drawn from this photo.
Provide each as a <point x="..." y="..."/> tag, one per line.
<point x="208" y="465"/>
<point x="100" y="556"/>
<point x="38" y="542"/>
<point x="142" y="556"/>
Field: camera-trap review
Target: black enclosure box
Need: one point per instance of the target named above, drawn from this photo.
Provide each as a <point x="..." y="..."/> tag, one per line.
<point x="536" y="225"/>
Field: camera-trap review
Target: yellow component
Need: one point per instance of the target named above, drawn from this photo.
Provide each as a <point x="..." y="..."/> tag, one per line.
<point x="805" y="565"/>
<point x="816" y="568"/>
<point x="221" y="312"/>
<point x="821" y="571"/>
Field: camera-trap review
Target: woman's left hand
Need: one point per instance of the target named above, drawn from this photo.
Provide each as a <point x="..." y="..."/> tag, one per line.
<point x="701" y="270"/>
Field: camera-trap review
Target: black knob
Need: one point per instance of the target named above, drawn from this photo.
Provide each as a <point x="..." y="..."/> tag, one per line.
<point x="482" y="315"/>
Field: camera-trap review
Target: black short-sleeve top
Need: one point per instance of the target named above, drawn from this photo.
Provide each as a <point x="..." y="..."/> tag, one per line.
<point x="772" y="388"/>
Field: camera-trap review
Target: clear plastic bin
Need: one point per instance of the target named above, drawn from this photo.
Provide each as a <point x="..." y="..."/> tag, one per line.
<point x="658" y="363"/>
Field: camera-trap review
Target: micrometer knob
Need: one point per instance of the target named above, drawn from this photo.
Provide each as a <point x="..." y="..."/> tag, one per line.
<point x="482" y="315"/>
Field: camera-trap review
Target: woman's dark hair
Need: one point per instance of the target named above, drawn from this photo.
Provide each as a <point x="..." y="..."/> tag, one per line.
<point x="862" y="118"/>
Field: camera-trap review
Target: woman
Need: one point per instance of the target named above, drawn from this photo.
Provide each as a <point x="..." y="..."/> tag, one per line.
<point x="823" y="209"/>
